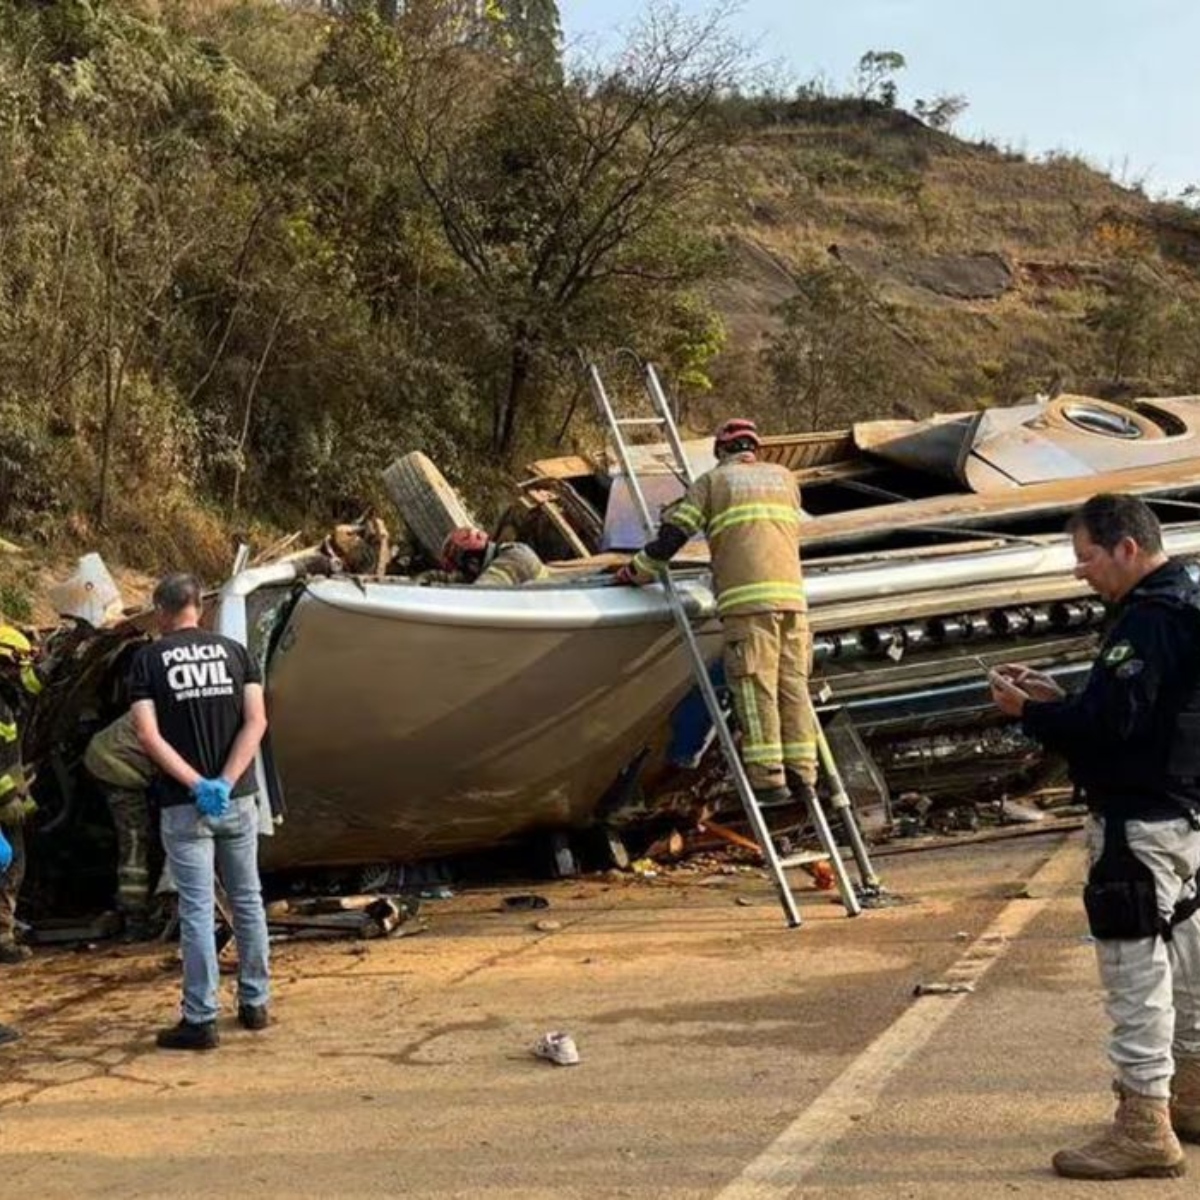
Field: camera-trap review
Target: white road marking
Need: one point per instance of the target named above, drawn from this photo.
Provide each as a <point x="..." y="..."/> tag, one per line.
<point x="799" y="1149"/>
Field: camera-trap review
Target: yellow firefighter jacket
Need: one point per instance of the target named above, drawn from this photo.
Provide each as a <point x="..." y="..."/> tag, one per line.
<point x="116" y="758"/>
<point x="15" y="801"/>
<point x="750" y="513"/>
<point x="507" y="564"/>
<point x="513" y="563"/>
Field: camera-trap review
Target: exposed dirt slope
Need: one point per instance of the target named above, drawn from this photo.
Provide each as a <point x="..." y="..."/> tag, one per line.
<point x="993" y="271"/>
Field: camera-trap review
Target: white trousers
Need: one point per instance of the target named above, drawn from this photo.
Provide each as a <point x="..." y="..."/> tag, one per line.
<point x="1152" y="986"/>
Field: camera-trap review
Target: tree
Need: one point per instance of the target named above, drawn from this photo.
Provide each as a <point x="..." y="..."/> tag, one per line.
<point x="942" y="111"/>
<point x="528" y="32"/>
<point x="873" y="77"/>
<point x="1132" y="322"/>
<point x="835" y="359"/>
<point x="532" y="32"/>
<point x="553" y="193"/>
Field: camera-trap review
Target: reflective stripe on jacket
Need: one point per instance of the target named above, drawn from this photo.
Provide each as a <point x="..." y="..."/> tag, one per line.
<point x="15" y="804"/>
<point x="750" y="512"/>
<point x="513" y="563"/>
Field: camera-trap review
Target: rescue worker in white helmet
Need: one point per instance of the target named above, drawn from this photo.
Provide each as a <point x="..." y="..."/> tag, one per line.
<point x="470" y="556"/>
<point x="19" y="682"/>
<point x="750" y="513"/>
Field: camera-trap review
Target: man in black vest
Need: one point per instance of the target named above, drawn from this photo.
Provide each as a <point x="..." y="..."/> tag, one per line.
<point x="1132" y="739"/>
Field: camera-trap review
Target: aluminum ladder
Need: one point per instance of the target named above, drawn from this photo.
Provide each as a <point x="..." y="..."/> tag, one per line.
<point x="662" y="421"/>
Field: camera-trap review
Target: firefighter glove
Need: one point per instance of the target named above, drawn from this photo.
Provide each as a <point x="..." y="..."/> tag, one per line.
<point x="16" y="809"/>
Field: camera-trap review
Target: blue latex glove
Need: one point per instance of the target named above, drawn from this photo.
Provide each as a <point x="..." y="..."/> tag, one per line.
<point x="212" y="797"/>
<point x="6" y="853"/>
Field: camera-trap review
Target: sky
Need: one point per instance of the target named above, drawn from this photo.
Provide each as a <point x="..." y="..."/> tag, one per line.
<point x="1116" y="81"/>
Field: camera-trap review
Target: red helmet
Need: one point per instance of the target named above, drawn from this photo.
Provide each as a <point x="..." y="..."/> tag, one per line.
<point x="461" y="542"/>
<point x="733" y="431"/>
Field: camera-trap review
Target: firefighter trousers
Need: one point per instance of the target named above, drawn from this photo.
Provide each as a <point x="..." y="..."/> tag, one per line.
<point x="10" y="883"/>
<point x="131" y="818"/>
<point x="767" y="662"/>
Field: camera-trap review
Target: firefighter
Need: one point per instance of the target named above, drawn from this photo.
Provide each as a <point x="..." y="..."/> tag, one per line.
<point x="470" y="556"/>
<point x="7" y="1032"/>
<point x="115" y="759"/>
<point x="750" y="513"/>
<point x="19" y="682"/>
<point x="1132" y="740"/>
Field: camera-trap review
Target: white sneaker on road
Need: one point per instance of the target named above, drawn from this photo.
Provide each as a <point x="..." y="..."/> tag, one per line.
<point x="558" y="1048"/>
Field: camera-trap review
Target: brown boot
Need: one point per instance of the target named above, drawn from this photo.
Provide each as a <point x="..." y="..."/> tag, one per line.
<point x="1140" y="1144"/>
<point x="1185" y="1099"/>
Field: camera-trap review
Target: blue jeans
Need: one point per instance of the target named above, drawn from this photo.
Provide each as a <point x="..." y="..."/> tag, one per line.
<point x="192" y="843"/>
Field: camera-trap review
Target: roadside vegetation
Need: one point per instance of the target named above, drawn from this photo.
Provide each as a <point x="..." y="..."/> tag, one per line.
<point x="251" y="252"/>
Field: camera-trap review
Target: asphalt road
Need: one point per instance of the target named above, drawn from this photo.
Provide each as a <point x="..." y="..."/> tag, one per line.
<point x="723" y="1055"/>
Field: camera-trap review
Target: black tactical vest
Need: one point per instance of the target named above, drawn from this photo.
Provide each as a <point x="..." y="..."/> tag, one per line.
<point x="1160" y="775"/>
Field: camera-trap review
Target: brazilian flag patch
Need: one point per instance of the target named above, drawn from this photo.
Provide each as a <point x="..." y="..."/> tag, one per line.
<point x="1118" y="654"/>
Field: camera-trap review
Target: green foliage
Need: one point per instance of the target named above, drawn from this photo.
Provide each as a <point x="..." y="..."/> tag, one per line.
<point x="16" y="603"/>
<point x="874" y="77"/>
<point x="836" y="358"/>
<point x="942" y="111"/>
<point x="251" y="253"/>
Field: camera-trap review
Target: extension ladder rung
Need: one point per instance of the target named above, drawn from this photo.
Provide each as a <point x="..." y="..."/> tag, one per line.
<point x="623" y="421"/>
<point x="803" y="858"/>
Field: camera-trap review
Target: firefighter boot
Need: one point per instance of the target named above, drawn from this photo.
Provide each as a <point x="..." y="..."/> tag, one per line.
<point x="1185" y="1099"/>
<point x="1140" y="1145"/>
<point x="772" y="797"/>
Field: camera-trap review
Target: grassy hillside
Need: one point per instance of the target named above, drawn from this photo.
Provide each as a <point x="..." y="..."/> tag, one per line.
<point x="252" y="253"/>
<point x="994" y="276"/>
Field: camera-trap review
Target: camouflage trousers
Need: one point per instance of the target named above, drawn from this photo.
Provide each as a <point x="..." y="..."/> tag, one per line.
<point x="10" y="883"/>
<point x="131" y="818"/>
<point x="767" y="662"/>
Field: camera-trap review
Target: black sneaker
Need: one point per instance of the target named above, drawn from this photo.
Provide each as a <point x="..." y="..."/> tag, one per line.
<point x="189" y="1036"/>
<point x="253" y="1016"/>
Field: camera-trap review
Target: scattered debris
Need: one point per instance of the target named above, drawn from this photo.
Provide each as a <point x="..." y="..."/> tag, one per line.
<point x="90" y="594"/>
<point x="921" y="841"/>
<point x="341" y="916"/>
<point x="1012" y="813"/>
<point x="523" y="902"/>
<point x="557" y="1047"/>
<point x="942" y="989"/>
<point x="58" y="931"/>
<point x="546" y="925"/>
<point x="875" y="895"/>
<point x="671" y="846"/>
